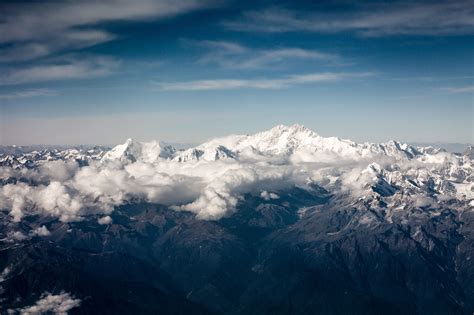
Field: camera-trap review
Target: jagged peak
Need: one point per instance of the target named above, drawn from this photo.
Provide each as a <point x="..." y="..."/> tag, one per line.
<point x="291" y="129"/>
<point x="283" y="141"/>
<point x="132" y="150"/>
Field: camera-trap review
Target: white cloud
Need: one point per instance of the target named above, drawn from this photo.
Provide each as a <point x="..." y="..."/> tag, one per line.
<point x="237" y="56"/>
<point x="278" y="83"/>
<point x="462" y="89"/>
<point x="228" y="47"/>
<point x="104" y="220"/>
<point x="70" y="40"/>
<point x="411" y="18"/>
<point x="19" y="236"/>
<point x="266" y="57"/>
<point x="28" y="94"/>
<point x="41" y="231"/>
<point x="70" y="68"/>
<point x="52" y="199"/>
<point x="268" y="195"/>
<point x="59" y="304"/>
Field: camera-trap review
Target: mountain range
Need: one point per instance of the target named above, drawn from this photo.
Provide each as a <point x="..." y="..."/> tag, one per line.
<point x="284" y="221"/>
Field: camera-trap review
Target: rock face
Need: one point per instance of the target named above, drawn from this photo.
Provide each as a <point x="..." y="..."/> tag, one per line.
<point x="269" y="257"/>
<point x="469" y="152"/>
<point x="388" y="229"/>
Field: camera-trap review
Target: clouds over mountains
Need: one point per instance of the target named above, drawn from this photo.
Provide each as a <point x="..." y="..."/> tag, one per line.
<point x="211" y="179"/>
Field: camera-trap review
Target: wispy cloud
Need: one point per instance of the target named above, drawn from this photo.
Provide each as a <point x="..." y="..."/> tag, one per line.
<point x="38" y="29"/>
<point x="28" y="94"/>
<point x="448" y="18"/>
<point x="234" y="55"/>
<point x="462" y="89"/>
<point x="70" y="68"/>
<point x="70" y="40"/>
<point x="279" y="83"/>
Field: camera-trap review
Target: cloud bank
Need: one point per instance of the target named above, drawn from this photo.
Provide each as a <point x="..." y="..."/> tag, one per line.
<point x="210" y="180"/>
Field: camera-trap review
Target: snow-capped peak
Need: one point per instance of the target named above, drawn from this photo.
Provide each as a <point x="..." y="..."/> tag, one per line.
<point x="296" y="130"/>
<point x="281" y="138"/>
<point x="132" y="151"/>
<point x="303" y="144"/>
<point x="215" y="174"/>
<point x="295" y="142"/>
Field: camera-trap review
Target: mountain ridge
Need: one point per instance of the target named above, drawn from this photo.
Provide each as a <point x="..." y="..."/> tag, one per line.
<point x="282" y="221"/>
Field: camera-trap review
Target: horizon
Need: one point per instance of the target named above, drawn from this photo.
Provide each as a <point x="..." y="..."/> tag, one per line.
<point x="448" y="146"/>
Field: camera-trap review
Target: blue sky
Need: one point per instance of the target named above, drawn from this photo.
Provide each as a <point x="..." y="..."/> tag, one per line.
<point x="98" y="73"/>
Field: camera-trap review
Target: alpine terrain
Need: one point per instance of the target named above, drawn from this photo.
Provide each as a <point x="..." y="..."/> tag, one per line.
<point x="284" y="221"/>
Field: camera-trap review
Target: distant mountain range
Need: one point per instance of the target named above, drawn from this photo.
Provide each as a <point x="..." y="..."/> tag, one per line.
<point x="448" y="146"/>
<point x="280" y="222"/>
